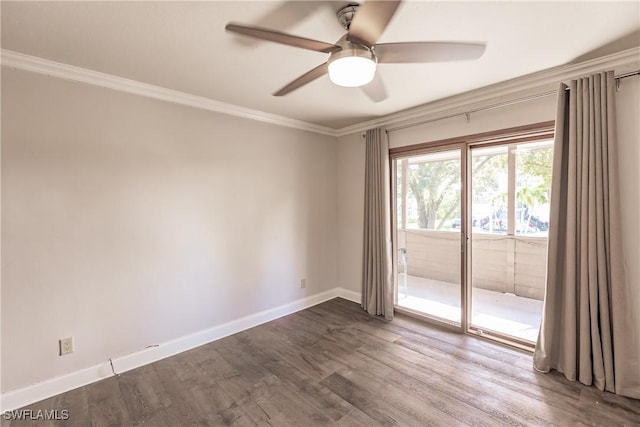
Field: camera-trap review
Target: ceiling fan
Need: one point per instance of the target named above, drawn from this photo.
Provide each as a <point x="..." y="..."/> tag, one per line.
<point x="353" y="59"/>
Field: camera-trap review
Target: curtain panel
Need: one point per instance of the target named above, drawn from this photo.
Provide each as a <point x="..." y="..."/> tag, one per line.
<point x="586" y="330"/>
<point x="377" y="292"/>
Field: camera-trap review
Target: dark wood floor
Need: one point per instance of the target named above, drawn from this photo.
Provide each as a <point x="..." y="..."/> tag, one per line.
<point x="334" y="365"/>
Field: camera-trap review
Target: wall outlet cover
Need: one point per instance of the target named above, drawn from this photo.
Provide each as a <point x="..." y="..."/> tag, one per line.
<point x="66" y="346"/>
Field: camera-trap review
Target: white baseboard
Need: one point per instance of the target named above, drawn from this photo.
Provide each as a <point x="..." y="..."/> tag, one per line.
<point x="43" y="390"/>
<point x="34" y="393"/>
<point x="349" y="295"/>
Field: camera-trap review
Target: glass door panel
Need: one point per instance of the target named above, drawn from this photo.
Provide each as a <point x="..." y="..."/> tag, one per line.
<point x="510" y="187"/>
<point x="428" y="234"/>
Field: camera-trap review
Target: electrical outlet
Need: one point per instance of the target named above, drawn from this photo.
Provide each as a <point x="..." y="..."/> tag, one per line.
<point x="66" y="346"/>
<point x="303" y="283"/>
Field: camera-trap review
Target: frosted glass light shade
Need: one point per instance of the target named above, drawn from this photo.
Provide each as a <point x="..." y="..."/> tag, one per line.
<point x="352" y="71"/>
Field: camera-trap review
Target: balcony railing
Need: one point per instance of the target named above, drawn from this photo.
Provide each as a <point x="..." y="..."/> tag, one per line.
<point x="500" y="263"/>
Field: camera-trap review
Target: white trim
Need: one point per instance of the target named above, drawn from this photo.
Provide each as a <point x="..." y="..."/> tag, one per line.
<point x="69" y="72"/>
<point x="349" y="295"/>
<point x="34" y="393"/>
<point x="21" y="397"/>
<point x="520" y="87"/>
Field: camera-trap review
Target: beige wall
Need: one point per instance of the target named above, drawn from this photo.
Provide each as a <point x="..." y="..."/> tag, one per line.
<point x="350" y="211"/>
<point x="127" y="222"/>
<point x="628" y="111"/>
<point x="535" y="111"/>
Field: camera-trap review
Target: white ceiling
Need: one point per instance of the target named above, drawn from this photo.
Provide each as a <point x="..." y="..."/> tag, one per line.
<point x="183" y="46"/>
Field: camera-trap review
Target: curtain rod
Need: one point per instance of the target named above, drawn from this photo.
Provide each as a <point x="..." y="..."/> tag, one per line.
<point x="498" y="105"/>
<point x="625" y="75"/>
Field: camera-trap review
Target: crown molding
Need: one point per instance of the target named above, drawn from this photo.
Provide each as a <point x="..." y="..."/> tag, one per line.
<point x="529" y="85"/>
<point x="503" y="92"/>
<point x="47" y="67"/>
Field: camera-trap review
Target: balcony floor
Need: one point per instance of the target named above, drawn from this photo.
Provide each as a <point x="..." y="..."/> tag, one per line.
<point x="501" y="312"/>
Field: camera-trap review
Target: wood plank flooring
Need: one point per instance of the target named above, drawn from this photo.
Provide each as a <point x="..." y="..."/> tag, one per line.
<point x="332" y="364"/>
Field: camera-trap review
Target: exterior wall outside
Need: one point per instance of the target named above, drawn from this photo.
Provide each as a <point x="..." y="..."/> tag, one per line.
<point x="508" y="264"/>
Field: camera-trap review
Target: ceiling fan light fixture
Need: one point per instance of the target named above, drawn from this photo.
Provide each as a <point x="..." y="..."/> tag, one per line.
<point x="352" y="67"/>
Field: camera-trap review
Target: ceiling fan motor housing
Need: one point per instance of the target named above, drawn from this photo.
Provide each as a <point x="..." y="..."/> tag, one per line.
<point x="350" y="49"/>
<point x="345" y="15"/>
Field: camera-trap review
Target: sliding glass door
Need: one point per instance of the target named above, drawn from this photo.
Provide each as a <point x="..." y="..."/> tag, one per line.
<point x="471" y="222"/>
<point x="429" y="234"/>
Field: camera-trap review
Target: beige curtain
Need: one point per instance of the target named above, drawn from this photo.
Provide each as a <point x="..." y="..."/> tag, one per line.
<point x="377" y="293"/>
<point x="586" y="331"/>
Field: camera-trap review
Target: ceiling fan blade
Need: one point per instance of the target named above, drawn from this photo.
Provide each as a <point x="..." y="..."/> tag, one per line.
<point x="370" y="21"/>
<point x="278" y="37"/>
<point x="375" y="90"/>
<point x="307" y="77"/>
<point x="418" y="52"/>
